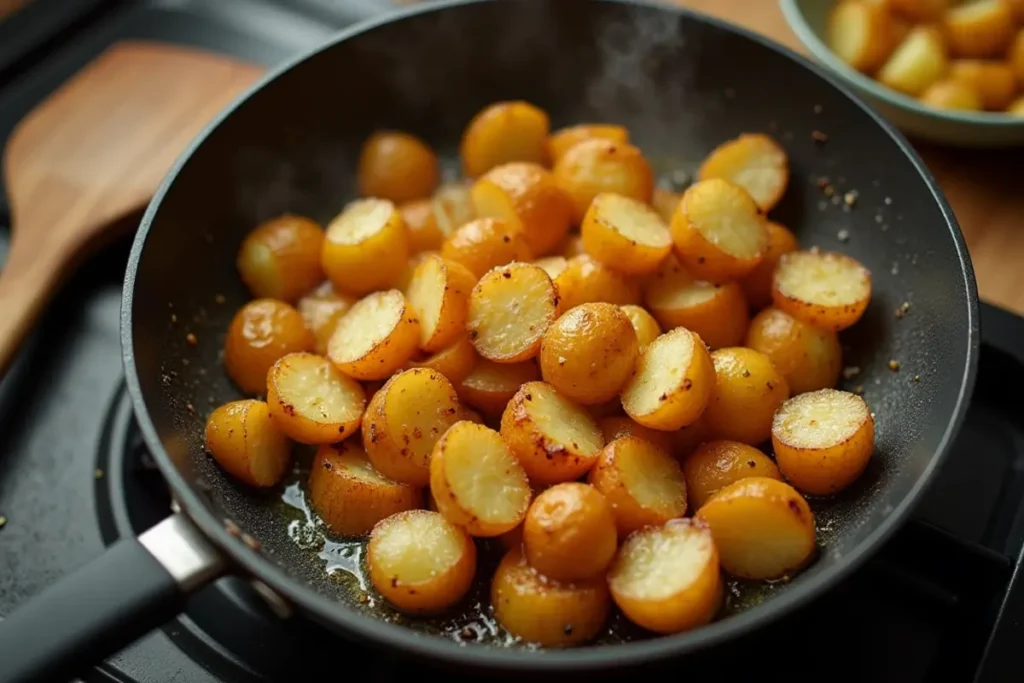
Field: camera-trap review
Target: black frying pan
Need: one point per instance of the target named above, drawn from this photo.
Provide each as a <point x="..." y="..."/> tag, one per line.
<point x="681" y="84"/>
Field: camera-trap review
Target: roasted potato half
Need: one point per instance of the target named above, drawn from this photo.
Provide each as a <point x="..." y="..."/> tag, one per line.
<point x="561" y="141"/>
<point x="280" y="259"/>
<point x="453" y="207"/>
<point x="808" y="357"/>
<point x="859" y="34"/>
<point x="245" y="440"/>
<point x="646" y="327"/>
<point x="312" y="401"/>
<point x="617" y="427"/>
<point x="951" y="94"/>
<point x="586" y="280"/>
<point x="982" y="28"/>
<point x="993" y="81"/>
<point x="825" y="289"/>
<point x="455" y="361"/>
<point x="1016" y="61"/>
<point x="503" y="132"/>
<point x="569" y="532"/>
<point x="397" y="166"/>
<point x="917" y="62"/>
<point x="366" y="247"/>
<point x="600" y="165"/>
<point x="754" y="162"/>
<point x="919" y="10"/>
<point x="717" y="464"/>
<point x="490" y="386"/>
<point x="377" y="336"/>
<point x="321" y="309"/>
<point x="748" y="390"/>
<point x="260" y="332"/>
<point x="477" y="482"/>
<point x="486" y="243"/>
<point x="439" y="298"/>
<point x="625" y="234"/>
<point x="823" y="440"/>
<point x="421" y="224"/>
<point x="757" y="284"/>
<point x="510" y="308"/>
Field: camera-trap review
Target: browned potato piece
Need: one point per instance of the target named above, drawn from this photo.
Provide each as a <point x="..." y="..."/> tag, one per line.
<point x="555" y="439"/>
<point x="981" y="28"/>
<point x="569" y="532"/>
<point x="919" y="10"/>
<point x="757" y="284"/>
<point x="281" y="258"/>
<point x="597" y="165"/>
<point x="261" y="332"/>
<point x="366" y="248"/>
<point x="321" y="309"/>
<point x="825" y="289"/>
<point x="992" y="81"/>
<point x="588" y="354"/>
<point x="585" y="280"/>
<point x="552" y="265"/>
<point x="453" y="207"/>
<point x="476" y="481"/>
<point x="439" y="297"/>
<point x="673" y="382"/>
<point x="485" y="243"/>
<point x="397" y="166"/>
<point x="403" y="422"/>
<point x="1016" y="59"/>
<point x="350" y="496"/>
<point x="509" y="310"/>
<point x="719" y="234"/>
<point x="718" y="313"/>
<point x="1018" y="10"/>
<point x="646" y="327"/>
<point x="490" y="386"/>
<point x="809" y="358"/>
<point x="312" y="401"/>
<point x="754" y="162"/>
<point x="950" y="94"/>
<point x="666" y="579"/>
<point x="748" y="390"/>
<point x="527" y="197"/>
<point x="246" y="442"/>
<point x="625" y="234"/>
<point x="617" y="427"/>
<point x="858" y="33"/>
<point x="643" y="483"/>
<point x="544" y="611"/>
<point x="917" y="62"/>
<point x="763" y="528"/>
<point x="561" y="141"/>
<point x="376" y="337"/>
<point x="421" y="224"/>
<point x="420" y="562"/>
<point x="454" y="362"/>
<point x="717" y="464"/>
<point x="405" y="279"/>
<point x="504" y="132"/>
<point x="1017" y="108"/>
<point x="665" y="203"/>
<point x="823" y="440"/>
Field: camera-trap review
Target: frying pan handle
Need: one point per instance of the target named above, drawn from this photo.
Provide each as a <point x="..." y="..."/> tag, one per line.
<point x="134" y="587"/>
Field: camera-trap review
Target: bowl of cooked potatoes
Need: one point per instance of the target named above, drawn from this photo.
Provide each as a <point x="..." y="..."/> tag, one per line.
<point x="945" y="71"/>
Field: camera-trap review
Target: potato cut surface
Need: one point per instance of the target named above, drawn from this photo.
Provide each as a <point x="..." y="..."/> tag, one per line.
<point x="439" y="296"/>
<point x="246" y="442"/>
<point x="312" y="401"/>
<point x="754" y="162"/>
<point x="859" y="34"/>
<point x="916" y="63"/>
<point x="320" y="310"/>
<point x="453" y="207"/>
<point x="376" y="337"/>
<point x="826" y="289"/>
<point x="366" y="246"/>
<point x="672" y="383"/>
<point x="625" y="234"/>
<point x="509" y="311"/>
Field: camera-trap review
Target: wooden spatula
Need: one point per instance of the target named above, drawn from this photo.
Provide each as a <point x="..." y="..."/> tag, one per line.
<point x="94" y="152"/>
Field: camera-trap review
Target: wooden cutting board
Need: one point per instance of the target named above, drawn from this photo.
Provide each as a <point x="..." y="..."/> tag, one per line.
<point x="985" y="188"/>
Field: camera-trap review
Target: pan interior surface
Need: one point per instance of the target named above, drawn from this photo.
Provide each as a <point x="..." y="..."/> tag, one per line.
<point x="682" y="85"/>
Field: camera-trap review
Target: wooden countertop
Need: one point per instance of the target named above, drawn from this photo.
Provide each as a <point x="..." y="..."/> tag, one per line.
<point x="985" y="188"/>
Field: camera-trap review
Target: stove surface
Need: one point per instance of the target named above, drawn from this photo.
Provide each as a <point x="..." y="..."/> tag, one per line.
<point x="942" y="601"/>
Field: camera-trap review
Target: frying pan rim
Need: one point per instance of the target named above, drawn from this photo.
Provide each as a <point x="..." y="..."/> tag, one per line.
<point x="604" y="657"/>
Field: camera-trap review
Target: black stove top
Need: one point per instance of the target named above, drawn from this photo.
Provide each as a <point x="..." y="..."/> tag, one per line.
<point x="942" y="602"/>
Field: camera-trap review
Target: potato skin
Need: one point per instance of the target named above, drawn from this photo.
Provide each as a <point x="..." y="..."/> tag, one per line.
<point x="421" y="225"/>
<point x="748" y="390"/>
<point x="503" y="132"/>
<point x="970" y="35"/>
<point x="717" y="464"/>
<point x="564" y="139"/>
<point x="809" y="358"/>
<point x="600" y="165"/>
<point x="646" y="327"/>
<point x="490" y="386"/>
<point x="397" y="166"/>
<point x="262" y="331"/>
<point x="589" y="352"/>
<point x="280" y="259"/>
<point x="369" y="262"/>
<point x="293" y="419"/>
<point x="543" y="611"/>
<point x="569" y="532"/>
<point x="387" y="354"/>
<point x="321" y="309"/>
<point x="449" y="282"/>
<point x="455" y="361"/>
<point x="486" y="243"/>
<point x="349" y="495"/>
<point x="585" y="280"/>
<point x="617" y="427"/>
<point x="757" y="284"/>
<point x="244" y="440"/>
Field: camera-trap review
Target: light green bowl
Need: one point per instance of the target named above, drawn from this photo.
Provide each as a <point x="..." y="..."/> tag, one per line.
<point x="808" y="19"/>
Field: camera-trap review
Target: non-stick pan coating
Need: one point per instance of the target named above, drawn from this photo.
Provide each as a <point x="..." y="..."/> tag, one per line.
<point x="681" y="84"/>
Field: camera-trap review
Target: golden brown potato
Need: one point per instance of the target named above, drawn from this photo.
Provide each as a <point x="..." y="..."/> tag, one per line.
<point x="718" y="232"/>
<point x="261" y="332"/>
<point x="1016" y="58"/>
<point x="763" y="528"/>
<point x="403" y="422"/>
<point x="525" y="196"/>
<point x="490" y="386"/>
<point x="717" y="464"/>
<point x="643" y="483"/>
<point x="321" y="309"/>
<point x="950" y="94"/>
<point x="673" y="382"/>
<point x="561" y="141"/>
<point x="438" y="295"/>
<point x="453" y="207"/>
<point x="420" y="562"/>
<point x="919" y="10"/>
<point x="476" y="481"/>
<point x="588" y="353"/>
<point x="555" y="439"/>
<point x="419" y="220"/>
<point x="993" y="82"/>
<point x="858" y="33"/>
<point x="823" y="440"/>
<point x="718" y="313"/>
<point x="646" y="327"/>
<point x="757" y="284"/>
<point x="504" y="132"/>
<point x="625" y="234"/>
<point x="666" y="578"/>
<point x="597" y="165"/>
<point x="809" y="358"/>
<point x="754" y="162"/>
<point x="981" y="28"/>
<point x="485" y="243"/>
<point x="377" y="336"/>
<point x="366" y="248"/>
<point x="509" y="310"/>
<point x="349" y="495"/>
<point x="917" y="62"/>
<point x="618" y="427"/>
<point x="455" y="361"/>
<point x="569" y="532"/>
<point x="397" y="166"/>
<point x="665" y="203"/>
<point x="247" y="443"/>
<point x="312" y="401"/>
<point x="585" y="280"/>
<point x="1017" y="107"/>
<point x="825" y="289"/>
<point x="1018" y="10"/>
<point x="748" y="390"/>
<point x="544" y="611"/>
<point x="405" y="279"/>
<point x="552" y="265"/>
<point x="280" y="259"/>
